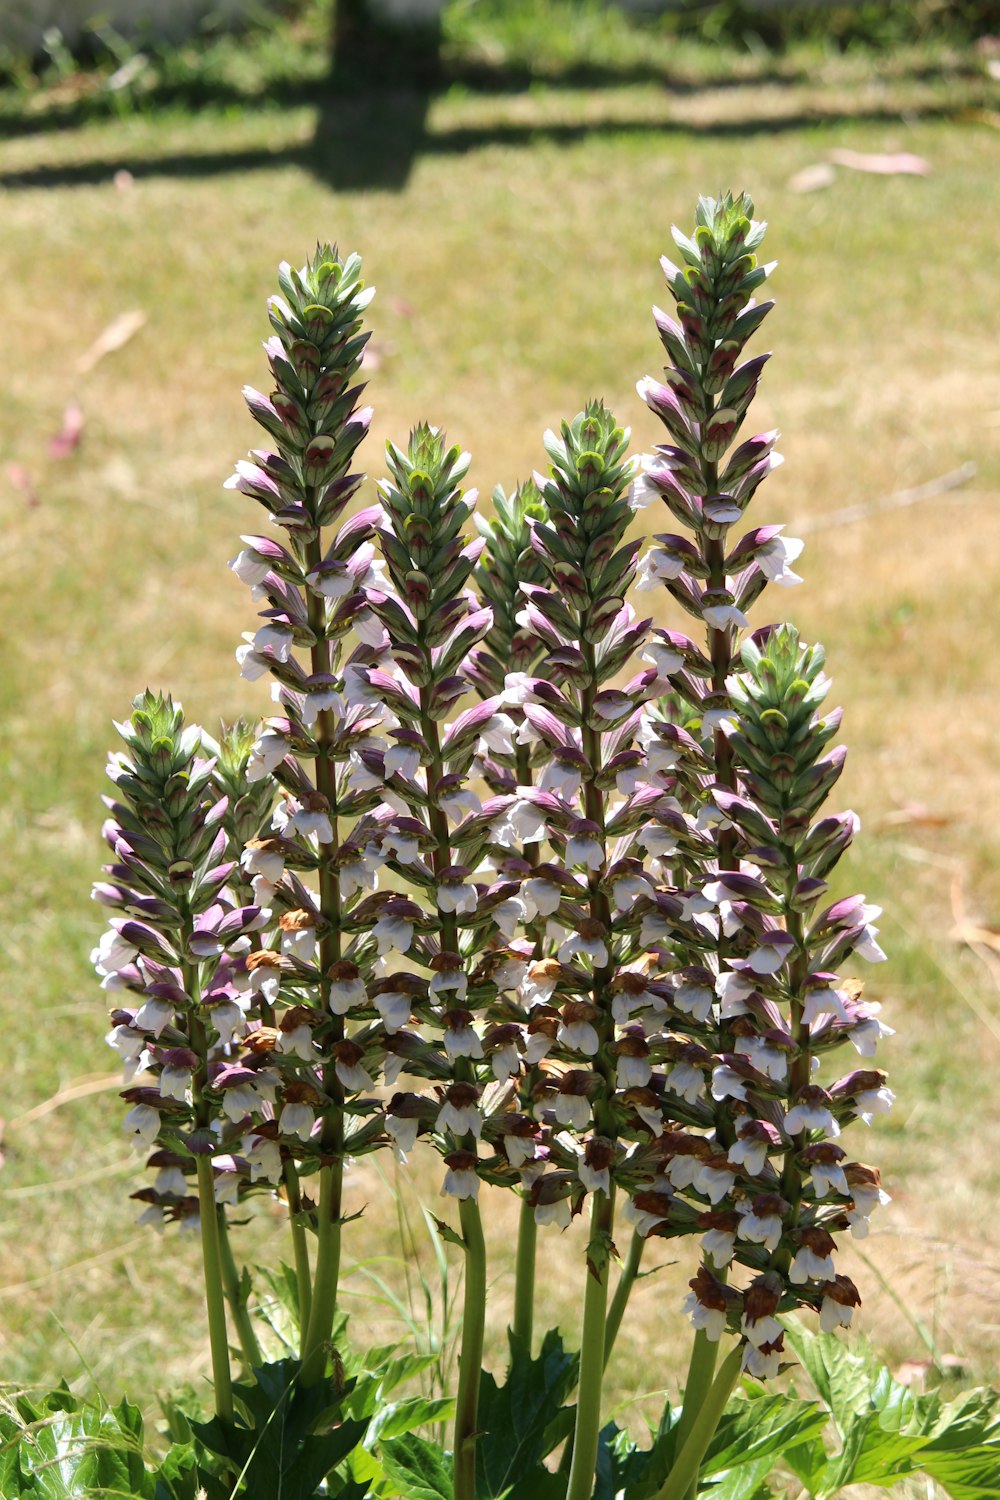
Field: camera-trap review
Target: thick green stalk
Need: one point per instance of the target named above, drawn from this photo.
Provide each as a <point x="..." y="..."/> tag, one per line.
<point x="471" y="1355"/>
<point x="701" y="1372"/>
<point x="590" y="1389"/>
<point x="323" y="1299"/>
<point x="524" y="1275"/>
<point x="300" y="1250"/>
<point x="325" y="1282"/>
<point x="234" y="1296"/>
<point x="215" y="1304"/>
<point x="684" y="1473"/>
<point x="619" y="1302"/>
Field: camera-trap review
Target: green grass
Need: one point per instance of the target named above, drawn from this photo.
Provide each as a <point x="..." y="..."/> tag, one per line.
<point x="513" y="234"/>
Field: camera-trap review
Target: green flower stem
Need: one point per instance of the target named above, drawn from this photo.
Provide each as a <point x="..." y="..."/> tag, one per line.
<point x="300" y="1250"/>
<point x="324" y="1291"/>
<point x="214" y="1299"/>
<point x="590" y="1389"/>
<point x="471" y="1353"/>
<point x="524" y="1275"/>
<point x="701" y="1372"/>
<point x="323" y="1300"/>
<point x="683" y="1477"/>
<point x="619" y="1302"/>
<point x="527" y="1230"/>
<point x="252" y="1354"/>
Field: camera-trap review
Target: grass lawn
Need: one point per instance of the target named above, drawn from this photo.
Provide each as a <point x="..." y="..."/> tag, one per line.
<point x="513" y="234"/>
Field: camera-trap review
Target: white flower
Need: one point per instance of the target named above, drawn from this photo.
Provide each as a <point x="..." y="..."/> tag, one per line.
<point x="664" y="658"/>
<point x="459" y="1119"/>
<point x="582" y="849"/>
<point x="732" y="989"/>
<point x="267" y="754"/>
<point x="828" y="1177"/>
<point x="497" y="734"/>
<point x="143" y="1123"/>
<point x="808" y="1266"/>
<point x="686" y="1081"/>
<point x="774" y="557"/>
<point x="750" y="1154"/>
<point x="153" y="1015"/>
<point x="720" y="1244"/>
<point x="402" y="760"/>
<point x="727" y="1083"/>
<point x="519" y="1148"/>
<point x="300" y="944"/>
<point x="297" y="1042"/>
<point x="710" y="1320"/>
<point x="627" y="889"/>
<point x="320" y="702"/>
<point x="874" y="1102"/>
<point x="657" y="567"/>
<point x="694" y="999"/>
<point x="559" y="1213"/>
<point x="572" y="1110"/>
<point x="456" y="896"/>
<point x="562" y="779"/>
<point x="296" y="1119"/>
<point x="460" y="1182"/>
<point x="307" y="822"/>
<point x="392" y="933"/>
<point x="721" y="616"/>
<point x="403" y="1135"/>
<point x="267" y="862"/>
<point x="714" y="1182"/>
<point x="593" y="948"/>
<point x="277" y="639"/>
<point x="458" y="804"/>
<point x="579" y="1036"/>
<point x="594" y="1181"/>
<point x="462" y="1042"/>
<point x="867" y="1030"/>
<point x="175" y="1083"/>
<point x="345" y="993"/>
<point x="131" y="1048"/>
<point x="249" y="569"/>
<point x="449" y="979"/>
<point x="353" y="1077"/>
<point x="112" y="953"/>
<point x="633" y="1072"/>
<point x="771" y="1061"/>
<point x="394" y="1007"/>
<point x="521" y="823"/>
<point x="171" y="1182"/>
<point x="264" y="1157"/>
<point x="834" y="1315"/>
<point x="811" y="1117"/>
<point x="762" y="1229"/>
<point x="765" y="1330"/>
<point x="761" y="1366"/>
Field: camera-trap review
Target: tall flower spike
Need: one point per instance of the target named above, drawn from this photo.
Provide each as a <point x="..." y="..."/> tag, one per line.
<point x="433" y="833"/>
<point x="316" y="870"/>
<point x="174" y="958"/>
<point x="588" y="729"/>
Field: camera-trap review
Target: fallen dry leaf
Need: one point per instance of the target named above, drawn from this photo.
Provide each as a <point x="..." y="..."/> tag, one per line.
<point x="23" y="482"/>
<point x="915" y="812"/>
<point x="884" y="165"/>
<point x="67" y="439"/>
<point x="812" y="178"/>
<point x="115" y="336"/>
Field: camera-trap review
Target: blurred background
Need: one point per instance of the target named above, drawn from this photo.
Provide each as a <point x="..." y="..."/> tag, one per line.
<point x="509" y="172"/>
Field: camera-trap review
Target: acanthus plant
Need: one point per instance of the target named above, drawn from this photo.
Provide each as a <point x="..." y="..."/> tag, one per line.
<point x="573" y="934"/>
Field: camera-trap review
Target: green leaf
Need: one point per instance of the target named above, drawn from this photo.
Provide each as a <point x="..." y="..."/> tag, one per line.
<point x="405" y="1416"/>
<point x="972" y="1474"/>
<point x="419" y="1469"/>
<point x="807" y="1461"/>
<point x="843" y="1377"/>
<point x="516" y="1416"/>
<point x="745" y="1482"/>
<point x="761" y="1428"/>
<point x="286" y="1444"/>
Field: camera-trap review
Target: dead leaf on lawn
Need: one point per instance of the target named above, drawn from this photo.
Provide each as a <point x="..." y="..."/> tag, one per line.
<point x="115" y="336"/>
<point x="891" y="164"/>
<point x="67" y="439"/>
<point x="819" y="175"/>
<point x="23" y="482"/>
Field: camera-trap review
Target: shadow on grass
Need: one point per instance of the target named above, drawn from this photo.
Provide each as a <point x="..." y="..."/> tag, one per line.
<point x="372" y="120"/>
